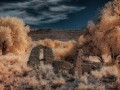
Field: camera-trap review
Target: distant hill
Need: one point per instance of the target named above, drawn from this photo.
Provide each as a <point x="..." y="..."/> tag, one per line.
<point x="63" y="35"/>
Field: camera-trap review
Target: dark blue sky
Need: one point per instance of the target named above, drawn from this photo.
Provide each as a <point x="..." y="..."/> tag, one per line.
<point x="59" y="14"/>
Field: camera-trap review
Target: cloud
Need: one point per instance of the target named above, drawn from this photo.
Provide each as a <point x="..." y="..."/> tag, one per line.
<point x="46" y="17"/>
<point x="54" y="1"/>
<point x="36" y="12"/>
<point x="64" y="8"/>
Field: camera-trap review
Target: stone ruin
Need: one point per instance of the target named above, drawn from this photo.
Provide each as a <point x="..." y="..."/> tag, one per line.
<point x="78" y="63"/>
<point x="40" y="54"/>
<point x="45" y="54"/>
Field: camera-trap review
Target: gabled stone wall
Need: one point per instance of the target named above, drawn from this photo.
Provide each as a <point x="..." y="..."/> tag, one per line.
<point x="44" y="52"/>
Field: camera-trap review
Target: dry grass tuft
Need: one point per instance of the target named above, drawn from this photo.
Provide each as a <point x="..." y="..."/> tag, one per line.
<point x="60" y="49"/>
<point x="105" y="71"/>
<point x="86" y="85"/>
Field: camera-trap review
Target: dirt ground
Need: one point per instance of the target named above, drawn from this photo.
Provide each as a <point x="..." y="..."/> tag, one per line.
<point x="63" y="35"/>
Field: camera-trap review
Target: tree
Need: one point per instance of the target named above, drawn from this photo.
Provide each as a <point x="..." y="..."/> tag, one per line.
<point x="14" y="35"/>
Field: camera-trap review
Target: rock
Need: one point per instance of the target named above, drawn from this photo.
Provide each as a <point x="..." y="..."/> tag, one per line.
<point x="62" y="65"/>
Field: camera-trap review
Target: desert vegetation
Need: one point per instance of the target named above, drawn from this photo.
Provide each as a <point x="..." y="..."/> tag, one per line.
<point x="102" y="39"/>
<point x="13" y="35"/>
<point x="100" y="59"/>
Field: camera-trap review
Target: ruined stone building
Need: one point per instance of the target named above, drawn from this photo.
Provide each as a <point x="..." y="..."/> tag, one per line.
<point x="40" y="53"/>
<point x="45" y="54"/>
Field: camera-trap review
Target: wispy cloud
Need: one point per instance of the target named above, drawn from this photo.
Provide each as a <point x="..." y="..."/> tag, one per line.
<point x="54" y="1"/>
<point x="39" y="11"/>
<point x="64" y="8"/>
